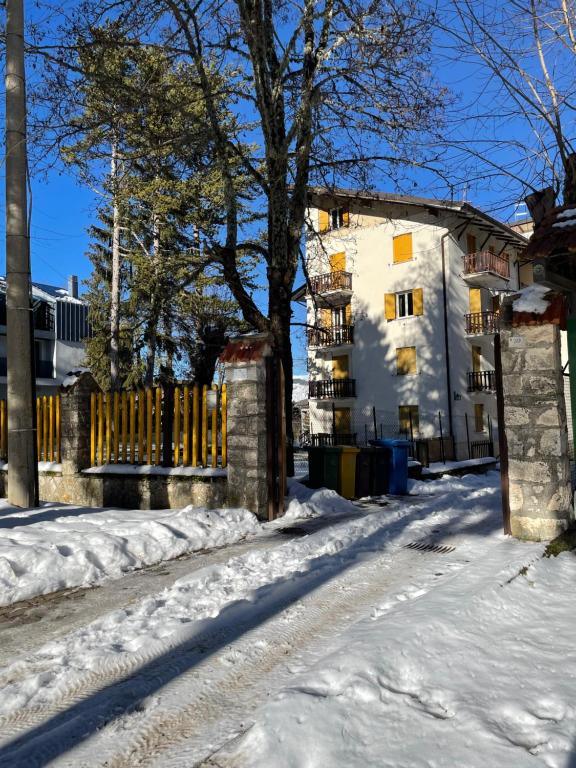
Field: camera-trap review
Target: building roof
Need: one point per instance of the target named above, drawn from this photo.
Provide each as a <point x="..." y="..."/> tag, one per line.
<point x="47" y="292"/>
<point x="555" y="234"/>
<point x="464" y="210"/>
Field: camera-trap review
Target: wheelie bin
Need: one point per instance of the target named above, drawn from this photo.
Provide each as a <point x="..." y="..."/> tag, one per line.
<point x="347" y="485"/>
<point x="331" y="462"/>
<point x="397" y="451"/>
<point x="315" y="467"/>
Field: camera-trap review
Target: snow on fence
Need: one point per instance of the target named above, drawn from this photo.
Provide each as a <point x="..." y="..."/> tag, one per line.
<point x="48" y="423"/>
<point x="183" y="425"/>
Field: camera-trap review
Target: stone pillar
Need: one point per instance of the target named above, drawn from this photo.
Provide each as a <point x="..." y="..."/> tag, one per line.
<point x="75" y="423"/>
<point x="245" y="362"/>
<point x="535" y="423"/>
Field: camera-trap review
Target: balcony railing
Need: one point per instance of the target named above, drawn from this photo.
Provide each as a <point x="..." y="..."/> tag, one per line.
<point x="332" y="389"/>
<point x="327" y="438"/>
<point x="486" y="261"/>
<point x="482" y="323"/>
<point x="44" y="368"/>
<point x="481" y="381"/>
<point x="334" y="336"/>
<point x="331" y="281"/>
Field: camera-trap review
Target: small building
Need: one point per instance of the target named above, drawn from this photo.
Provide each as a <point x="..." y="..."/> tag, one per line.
<point x="60" y="328"/>
<point x="403" y="297"/>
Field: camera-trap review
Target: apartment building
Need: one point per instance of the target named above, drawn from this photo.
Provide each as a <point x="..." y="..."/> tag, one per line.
<point x="60" y="327"/>
<point x="402" y="303"/>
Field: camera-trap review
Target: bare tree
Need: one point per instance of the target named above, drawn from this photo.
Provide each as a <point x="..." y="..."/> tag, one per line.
<point x="517" y="123"/>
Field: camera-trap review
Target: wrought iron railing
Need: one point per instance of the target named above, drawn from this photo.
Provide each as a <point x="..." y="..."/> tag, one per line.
<point x="481" y="381"/>
<point x="327" y="438"/>
<point x="332" y="388"/>
<point x="331" y="337"/>
<point x="331" y="281"/>
<point x="478" y="323"/>
<point x="486" y="261"/>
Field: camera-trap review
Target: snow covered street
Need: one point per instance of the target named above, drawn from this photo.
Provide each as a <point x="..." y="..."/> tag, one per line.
<point x="411" y="634"/>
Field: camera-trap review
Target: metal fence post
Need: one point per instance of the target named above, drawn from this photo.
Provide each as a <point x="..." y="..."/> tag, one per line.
<point x="441" y="438"/>
<point x="468" y="436"/>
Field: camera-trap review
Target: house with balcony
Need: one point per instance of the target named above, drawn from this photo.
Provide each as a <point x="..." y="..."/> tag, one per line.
<point x="61" y="325"/>
<point x="403" y="297"/>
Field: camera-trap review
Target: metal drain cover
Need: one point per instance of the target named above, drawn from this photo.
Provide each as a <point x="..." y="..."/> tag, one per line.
<point x="422" y="546"/>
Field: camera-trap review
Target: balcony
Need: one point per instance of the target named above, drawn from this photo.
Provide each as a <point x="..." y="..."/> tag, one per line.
<point x="482" y="323"/>
<point x="332" y="288"/>
<point x="334" y="336"/>
<point x="486" y="269"/>
<point x="481" y="381"/>
<point x="332" y="389"/>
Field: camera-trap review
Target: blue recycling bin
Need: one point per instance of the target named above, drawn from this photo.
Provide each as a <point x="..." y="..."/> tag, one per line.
<point x="398" y="464"/>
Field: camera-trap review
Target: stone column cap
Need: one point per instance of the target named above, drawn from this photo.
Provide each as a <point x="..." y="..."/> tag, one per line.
<point x="79" y="377"/>
<point x="248" y="348"/>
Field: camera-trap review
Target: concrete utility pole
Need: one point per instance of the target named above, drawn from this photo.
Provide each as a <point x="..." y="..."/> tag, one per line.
<point x="22" y="468"/>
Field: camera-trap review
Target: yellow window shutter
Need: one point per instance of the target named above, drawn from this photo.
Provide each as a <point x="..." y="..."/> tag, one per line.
<point x="475" y="300"/>
<point x="325" y="318"/>
<point x="323" y="221"/>
<point x="402" y="248"/>
<point x="390" y="306"/>
<point x="345" y="217"/>
<point x="348" y="314"/>
<point x="479" y="417"/>
<point x="343" y="420"/>
<point x="340" y="367"/>
<point x="418" y="301"/>
<point x="476" y="359"/>
<point x="407" y="413"/>
<point x="470" y="244"/>
<point x="406" y="360"/>
<point x="338" y="262"/>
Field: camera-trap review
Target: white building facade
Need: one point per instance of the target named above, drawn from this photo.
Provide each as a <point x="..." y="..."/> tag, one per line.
<point x="402" y="303"/>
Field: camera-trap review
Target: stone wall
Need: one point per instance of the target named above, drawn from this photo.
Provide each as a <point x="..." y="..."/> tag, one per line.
<point x="540" y="489"/>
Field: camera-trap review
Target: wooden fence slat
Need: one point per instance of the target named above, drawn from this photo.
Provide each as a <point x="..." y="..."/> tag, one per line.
<point x="58" y="423"/>
<point x="45" y="427"/>
<point x="108" y="398"/>
<point x="158" y="415"/>
<point x="116" y="425"/>
<point x="132" y="427"/>
<point x="51" y="428"/>
<point x="124" y="411"/>
<point x="204" y="426"/>
<point x="186" y="427"/>
<point x="3" y="451"/>
<point x="141" y="413"/>
<point x="149" y="425"/>
<point x="176" y="433"/>
<point x="214" y="430"/>
<point x="224" y="417"/>
<point x="100" y="428"/>
<point x="195" y="423"/>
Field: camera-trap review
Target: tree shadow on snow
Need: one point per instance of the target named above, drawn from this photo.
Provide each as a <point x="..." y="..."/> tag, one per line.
<point x="46" y="742"/>
<point x="13" y="519"/>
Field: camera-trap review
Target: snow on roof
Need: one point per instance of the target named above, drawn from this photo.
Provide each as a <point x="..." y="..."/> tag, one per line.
<point x="531" y="299"/>
<point x="46" y="292"/>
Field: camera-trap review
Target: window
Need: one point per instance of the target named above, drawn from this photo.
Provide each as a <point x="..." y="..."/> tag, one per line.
<point x="333" y="218"/>
<point x="479" y="417"/>
<point x="340" y="367"/>
<point x="476" y="359"/>
<point x="408" y="419"/>
<point x="405" y="360"/>
<point x="402" y="248"/>
<point x="404" y="304"/>
<point x="470" y="244"/>
<point x="342" y="421"/>
<point x="336" y="218"/>
<point x="337" y="262"/>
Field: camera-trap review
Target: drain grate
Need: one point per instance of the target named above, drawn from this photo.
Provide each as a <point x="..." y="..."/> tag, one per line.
<point x="421" y="546"/>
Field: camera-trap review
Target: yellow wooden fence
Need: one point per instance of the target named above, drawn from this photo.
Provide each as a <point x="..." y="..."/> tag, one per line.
<point x="129" y="427"/>
<point x="47" y="428"/>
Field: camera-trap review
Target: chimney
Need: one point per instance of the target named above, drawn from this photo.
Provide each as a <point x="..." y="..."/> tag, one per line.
<point x="73" y="286"/>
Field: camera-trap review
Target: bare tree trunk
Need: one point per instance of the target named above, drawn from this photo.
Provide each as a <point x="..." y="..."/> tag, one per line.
<point x="115" y="279"/>
<point x="22" y="466"/>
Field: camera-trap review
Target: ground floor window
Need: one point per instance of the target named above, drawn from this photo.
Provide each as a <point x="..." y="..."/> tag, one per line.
<point x="408" y="419"/>
<point x="479" y="417"/>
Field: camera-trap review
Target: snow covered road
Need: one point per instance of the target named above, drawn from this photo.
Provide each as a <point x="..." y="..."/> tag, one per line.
<point x="172" y="679"/>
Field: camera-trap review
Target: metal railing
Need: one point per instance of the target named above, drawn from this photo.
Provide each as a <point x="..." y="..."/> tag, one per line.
<point x="480" y="323"/>
<point x="331" y="336"/>
<point x="327" y="438"/>
<point x="486" y="261"/>
<point x="481" y="381"/>
<point x="332" y="388"/>
<point x="331" y="281"/>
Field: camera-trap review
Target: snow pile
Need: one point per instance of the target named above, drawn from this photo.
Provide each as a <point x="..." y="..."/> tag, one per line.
<point x="305" y="502"/>
<point x="570" y="219"/>
<point x="177" y="614"/>
<point x="56" y="547"/>
<point x="531" y="299"/>
<point x="72" y="377"/>
<point x="477" y="672"/>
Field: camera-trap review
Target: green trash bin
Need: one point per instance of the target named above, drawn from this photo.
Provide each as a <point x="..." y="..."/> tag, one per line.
<point x="364" y="467"/>
<point x="331" y="478"/>
<point x="316" y="467"/>
<point x="347" y="486"/>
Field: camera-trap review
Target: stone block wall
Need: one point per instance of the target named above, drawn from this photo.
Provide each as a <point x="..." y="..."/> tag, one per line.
<point x="540" y="489"/>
